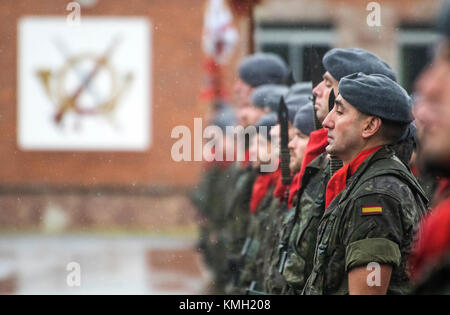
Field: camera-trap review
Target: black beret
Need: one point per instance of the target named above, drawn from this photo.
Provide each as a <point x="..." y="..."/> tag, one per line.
<point x="268" y="95"/>
<point x="225" y="117"/>
<point x="376" y="95"/>
<point x="443" y="22"/>
<point x="405" y="146"/>
<point x="410" y="133"/>
<point x="301" y="88"/>
<point x="268" y="121"/>
<point x="304" y="119"/>
<point x="342" y="62"/>
<point x="294" y="102"/>
<point x="263" y="68"/>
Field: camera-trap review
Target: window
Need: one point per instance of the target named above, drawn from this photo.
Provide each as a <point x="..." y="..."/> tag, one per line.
<point x="293" y="43"/>
<point x="416" y="45"/>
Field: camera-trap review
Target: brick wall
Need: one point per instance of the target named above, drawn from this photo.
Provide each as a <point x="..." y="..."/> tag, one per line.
<point x="176" y="75"/>
<point x="69" y="190"/>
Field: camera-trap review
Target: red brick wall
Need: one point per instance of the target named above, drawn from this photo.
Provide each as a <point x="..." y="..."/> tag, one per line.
<point x="176" y="77"/>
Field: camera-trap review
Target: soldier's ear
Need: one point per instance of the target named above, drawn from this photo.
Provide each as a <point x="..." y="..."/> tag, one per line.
<point x="371" y="125"/>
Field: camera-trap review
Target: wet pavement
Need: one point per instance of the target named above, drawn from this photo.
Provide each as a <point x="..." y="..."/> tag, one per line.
<point x="37" y="264"/>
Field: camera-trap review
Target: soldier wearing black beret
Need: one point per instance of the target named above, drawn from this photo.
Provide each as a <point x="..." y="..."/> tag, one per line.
<point x="373" y="203"/>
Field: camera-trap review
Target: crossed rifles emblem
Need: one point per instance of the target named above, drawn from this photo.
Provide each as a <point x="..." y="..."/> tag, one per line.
<point x="54" y="84"/>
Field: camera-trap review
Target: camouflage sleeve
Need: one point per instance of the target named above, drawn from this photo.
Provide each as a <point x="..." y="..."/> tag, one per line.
<point x="373" y="231"/>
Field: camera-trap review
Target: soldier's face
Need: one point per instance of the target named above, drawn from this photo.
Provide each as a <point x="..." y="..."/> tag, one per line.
<point x="241" y="94"/>
<point x="432" y="110"/>
<point x="249" y="115"/>
<point x="260" y="151"/>
<point x="345" y="128"/>
<point x="322" y="93"/>
<point x="297" y="148"/>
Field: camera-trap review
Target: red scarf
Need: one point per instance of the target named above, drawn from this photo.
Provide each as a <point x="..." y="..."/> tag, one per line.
<point x="414" y="170"/>
<point x="262" y="184"/>
<point x="280" y="190"/>
<point x="293" y="188"/>
<point x="338" y="182"/>
<point x="318" y="141"/>
<point x="434" y="235"/>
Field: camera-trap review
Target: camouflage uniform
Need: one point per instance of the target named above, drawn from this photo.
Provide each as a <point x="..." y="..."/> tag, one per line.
<point x="201" y="198"/>
<point x="429" y="184"/>
<point x="237" y="218"/>
<point x="210" y="202"/>
<point x="252" y="254"/>
<point x="273" y="282"/>
<point x="348" y="238"/>
<point x="301" y="237"/>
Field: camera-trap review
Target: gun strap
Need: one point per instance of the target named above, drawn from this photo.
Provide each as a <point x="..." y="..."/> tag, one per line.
<point x="335" y="164"/>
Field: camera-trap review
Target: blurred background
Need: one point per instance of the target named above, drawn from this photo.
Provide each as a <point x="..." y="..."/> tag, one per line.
<point x="90" y="91"/>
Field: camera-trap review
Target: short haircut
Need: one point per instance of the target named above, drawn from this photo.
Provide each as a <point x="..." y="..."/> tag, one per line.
<point x="392" y="131"/>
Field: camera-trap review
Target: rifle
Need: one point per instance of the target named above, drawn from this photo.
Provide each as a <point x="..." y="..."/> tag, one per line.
<point x="286" y="177"/>
<point x="317" y="71"/>
<point x="251" y="290"/>
<point x="285" y="157"/>
<point x="335" y="163"/>
<point x="240" y="262"/>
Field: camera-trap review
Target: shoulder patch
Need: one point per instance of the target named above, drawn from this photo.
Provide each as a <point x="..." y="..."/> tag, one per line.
<point x="370" y="210"/>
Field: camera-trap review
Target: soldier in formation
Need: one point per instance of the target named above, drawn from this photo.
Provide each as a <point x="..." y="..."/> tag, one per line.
<point x="342" y="199"/>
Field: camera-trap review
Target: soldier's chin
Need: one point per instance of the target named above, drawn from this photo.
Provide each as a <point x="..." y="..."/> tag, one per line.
<point x="330" y="150"/>
<point x="294" y="167"/>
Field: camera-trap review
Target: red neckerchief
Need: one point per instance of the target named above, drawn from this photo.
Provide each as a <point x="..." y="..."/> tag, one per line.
<point x="262" y="184"/>
<point x="414" y="170"/>
<point x="434" y="235"/>
<point x="318" y="141"/>
<point x="338" y="181"/>
<point x="293" y="189"/>
<point x="280" y="190"/>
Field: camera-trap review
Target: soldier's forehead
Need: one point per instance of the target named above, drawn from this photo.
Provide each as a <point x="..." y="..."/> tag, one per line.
<point x="339" y="100"/>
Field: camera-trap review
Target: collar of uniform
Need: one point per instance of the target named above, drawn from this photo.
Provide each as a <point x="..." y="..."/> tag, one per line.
<point x="383" y="153"/>
<point x="320" y="162"/>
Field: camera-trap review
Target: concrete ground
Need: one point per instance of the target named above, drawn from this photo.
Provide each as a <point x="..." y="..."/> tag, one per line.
<point x="40" y="264"/>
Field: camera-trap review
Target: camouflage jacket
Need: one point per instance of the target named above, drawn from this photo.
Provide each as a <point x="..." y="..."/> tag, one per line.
<point x="273" y="282"/>
<point x="237" y="215"/>
<point x="429" y="184"/>
<point x="300" y="238"/>
<point x="372" y="220"/>
<point x="254" y="246"/>
<point x="210" y="201"/>
<point x="200" y="196"/>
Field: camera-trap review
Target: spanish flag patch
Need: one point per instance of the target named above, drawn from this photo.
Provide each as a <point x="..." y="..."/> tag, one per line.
<point x="368" y="210"/>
